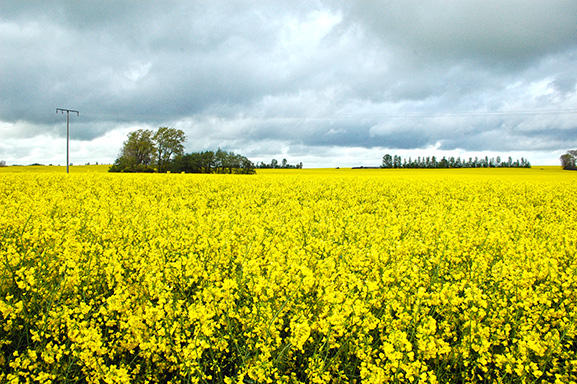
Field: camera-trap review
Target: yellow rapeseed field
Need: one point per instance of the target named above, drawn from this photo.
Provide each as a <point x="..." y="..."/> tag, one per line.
<point x="299" y="276"/>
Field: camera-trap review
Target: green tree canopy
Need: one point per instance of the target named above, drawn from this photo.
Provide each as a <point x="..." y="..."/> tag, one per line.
<point x="137" y="153"/>
<point x="212" y="162"/>
<point x="387" y="161"/>
<point x="145" y="148"/>
<point x="169" y="143"/>
<point x="569" y="160"/>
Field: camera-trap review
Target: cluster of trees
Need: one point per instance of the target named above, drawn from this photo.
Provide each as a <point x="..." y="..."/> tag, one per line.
<point x="432" y="162"/>
<point x="284" y="164"/>
<point x="569" y="160"/>
<point x="212" y="162"/>
<point x="149" y="151"/>
<point x="163" y="151"/>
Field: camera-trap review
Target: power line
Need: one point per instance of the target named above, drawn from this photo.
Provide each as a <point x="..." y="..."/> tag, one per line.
<point x="345" y="115"/>
<point x="131" y="117"/>
<point x="470" y="114"/>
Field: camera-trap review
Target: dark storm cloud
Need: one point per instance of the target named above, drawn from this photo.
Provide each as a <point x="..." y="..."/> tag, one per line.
<point x="310" y="77"/>
<point x="496" y="33"/>
<point x="130" y="58"/>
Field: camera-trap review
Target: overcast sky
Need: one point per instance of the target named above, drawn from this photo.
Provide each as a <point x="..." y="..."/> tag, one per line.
<point x="328" y="83"/>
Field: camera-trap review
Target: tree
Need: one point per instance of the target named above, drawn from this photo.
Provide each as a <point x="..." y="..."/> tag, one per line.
<point x="207" y="161"/>
<point x="569" y="160"/>
<point x="188" y="163"/>
<point x="220" y="160"/>
<point x="444" y="163"/>
<point x="246" y="166"/>
<point x="387" y="161"/>
<point x="2" y="163"/>
<point x="397" y="161"/>
<point x="169" y="142"/>
<point x="136" y="154"/>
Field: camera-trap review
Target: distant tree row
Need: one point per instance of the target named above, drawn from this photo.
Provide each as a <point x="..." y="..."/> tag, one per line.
<point x="569" y="160"/>
<point x="275" y="164"/>
<point x="452" y="162"/>
<point x="212" y="162"/>
<point x="163" y="151"/>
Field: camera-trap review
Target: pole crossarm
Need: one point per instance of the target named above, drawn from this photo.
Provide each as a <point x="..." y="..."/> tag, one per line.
<point x="67" y="111"/>
<point x="67" y="133"/>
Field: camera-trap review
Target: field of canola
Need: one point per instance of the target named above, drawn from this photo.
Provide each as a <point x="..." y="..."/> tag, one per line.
<point x="416" y="276"/>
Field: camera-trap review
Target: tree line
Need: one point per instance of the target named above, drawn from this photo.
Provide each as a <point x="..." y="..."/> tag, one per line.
<point x="163" y="151"/>
<point x="275" y="164"/>
<point x="452" y="162"/>
<point x="212" y="162"/>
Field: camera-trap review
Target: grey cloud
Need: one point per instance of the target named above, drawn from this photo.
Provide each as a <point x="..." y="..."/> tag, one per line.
<point x="565" y="84"/>
<point x="314" y="76"/>
<point x="493" y="32"/>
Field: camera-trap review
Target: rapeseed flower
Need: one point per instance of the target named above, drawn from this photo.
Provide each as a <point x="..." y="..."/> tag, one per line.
<point x="299" y="277"/>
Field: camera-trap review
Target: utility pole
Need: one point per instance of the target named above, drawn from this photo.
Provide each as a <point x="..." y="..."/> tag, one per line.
<point x="67" y="133"/>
